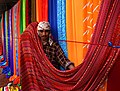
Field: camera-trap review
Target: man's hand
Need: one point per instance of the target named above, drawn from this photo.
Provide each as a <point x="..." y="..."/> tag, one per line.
<point x="71" y="66"/>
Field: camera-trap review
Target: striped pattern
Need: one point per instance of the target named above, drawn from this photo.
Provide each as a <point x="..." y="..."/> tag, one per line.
<point x="73" y="20"/>
<point x="1" y="45"/>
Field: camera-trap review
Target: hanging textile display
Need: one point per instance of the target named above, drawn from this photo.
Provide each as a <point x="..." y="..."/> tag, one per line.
<point x="61" y="24"/>
<point x="1" y="46"/>
<point x="6" y="34"/>
<point x="28" y="12"/>
<point x="15" y="29"/>
<point x="33" y="10"/>
<point x="22" y="15"/>
<point x="90" y="12"/>
<point x="11" y="49"/>
<point x="5" y="39"/>
<point x="41" y="10"/>
<point x="4" y="61"/>
<point x="80" y="23"/>
<point x="52" y="11"/>
<point x="92" y="46"/>
<point x="18" y="37"/>
<point x="39" y="74"/>
<point x="10" y="42"/>
<point x="114" y="76"/>
<point x="74" y="29"/>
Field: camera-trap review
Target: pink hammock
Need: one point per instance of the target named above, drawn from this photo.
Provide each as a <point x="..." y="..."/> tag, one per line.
<point x="38" y="74"/>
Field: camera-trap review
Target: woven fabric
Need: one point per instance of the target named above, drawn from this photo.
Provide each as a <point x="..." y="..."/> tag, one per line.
<point x="38" y="74"/>
<point x="1" y="45"/>
<point x="114" y="75"/>
<point x="28" y="12"/>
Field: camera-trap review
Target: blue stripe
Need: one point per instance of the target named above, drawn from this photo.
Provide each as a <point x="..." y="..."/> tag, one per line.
<point x="52" y="17"/>
<point x="10" y="43"/>
<point x="61" y="23"/>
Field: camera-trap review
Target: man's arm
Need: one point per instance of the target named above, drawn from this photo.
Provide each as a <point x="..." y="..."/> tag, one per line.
<point x="62" y="59"/>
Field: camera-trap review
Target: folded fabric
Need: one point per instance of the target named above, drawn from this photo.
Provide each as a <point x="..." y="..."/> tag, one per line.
<point x="38" y="74"/>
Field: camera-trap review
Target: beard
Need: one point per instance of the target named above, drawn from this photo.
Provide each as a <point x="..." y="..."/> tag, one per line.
<point x="44" y="38"/>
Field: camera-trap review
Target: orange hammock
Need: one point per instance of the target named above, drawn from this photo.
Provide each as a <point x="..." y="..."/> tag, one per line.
<point x="38" y="74"/>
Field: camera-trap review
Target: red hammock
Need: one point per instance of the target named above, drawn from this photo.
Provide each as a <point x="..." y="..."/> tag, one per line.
<point x="38" y="74"/>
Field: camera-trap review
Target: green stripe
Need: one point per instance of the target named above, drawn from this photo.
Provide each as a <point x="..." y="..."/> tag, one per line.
<point x="22" y="15"/>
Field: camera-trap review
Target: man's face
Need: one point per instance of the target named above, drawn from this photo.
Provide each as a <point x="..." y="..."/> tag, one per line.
<point x="44" y="34"/>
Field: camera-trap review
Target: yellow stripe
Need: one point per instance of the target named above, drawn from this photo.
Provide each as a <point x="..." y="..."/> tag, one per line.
<point x="74" y="29"/>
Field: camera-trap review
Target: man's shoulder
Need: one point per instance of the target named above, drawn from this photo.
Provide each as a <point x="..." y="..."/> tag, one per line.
<point x="55" y="43"/>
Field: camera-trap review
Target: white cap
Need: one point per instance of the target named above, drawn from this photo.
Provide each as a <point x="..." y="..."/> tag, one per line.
<point x="44" y="25"/>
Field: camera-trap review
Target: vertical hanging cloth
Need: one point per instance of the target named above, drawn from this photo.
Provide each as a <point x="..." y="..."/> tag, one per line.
<point x="22" y="15"/>
<point x="80" y="25"/>
<point x="33" y="10"/>
<point x="18" y="32"/>
<point x="28" y="11"/>
<point x="53" y="17"/>
<point x="114" y="75"/>
<point x="90" y="14"/>
<point x="74" y="29"/>
<point x="61" y="24"/>
<point x="5" y="36"/>
<point x="41" y="10"/>
<point x="10" y="43"/>
<point x="39" y="74"/>
<point x="16" y="36"/>
<point x="6" y="33"/>
<point x="1" y="45"/>
<point x="14" y="29"/>
<point x="5" y="62"/>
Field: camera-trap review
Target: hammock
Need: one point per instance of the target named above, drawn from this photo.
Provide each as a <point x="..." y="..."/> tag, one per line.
<point x="38" y="74"/>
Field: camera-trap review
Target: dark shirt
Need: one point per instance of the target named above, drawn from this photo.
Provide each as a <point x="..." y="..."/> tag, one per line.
<point x="56" y="55"/>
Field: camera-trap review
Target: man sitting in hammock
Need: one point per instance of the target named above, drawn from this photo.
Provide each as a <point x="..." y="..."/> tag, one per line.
<point x="51" y="48"/>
